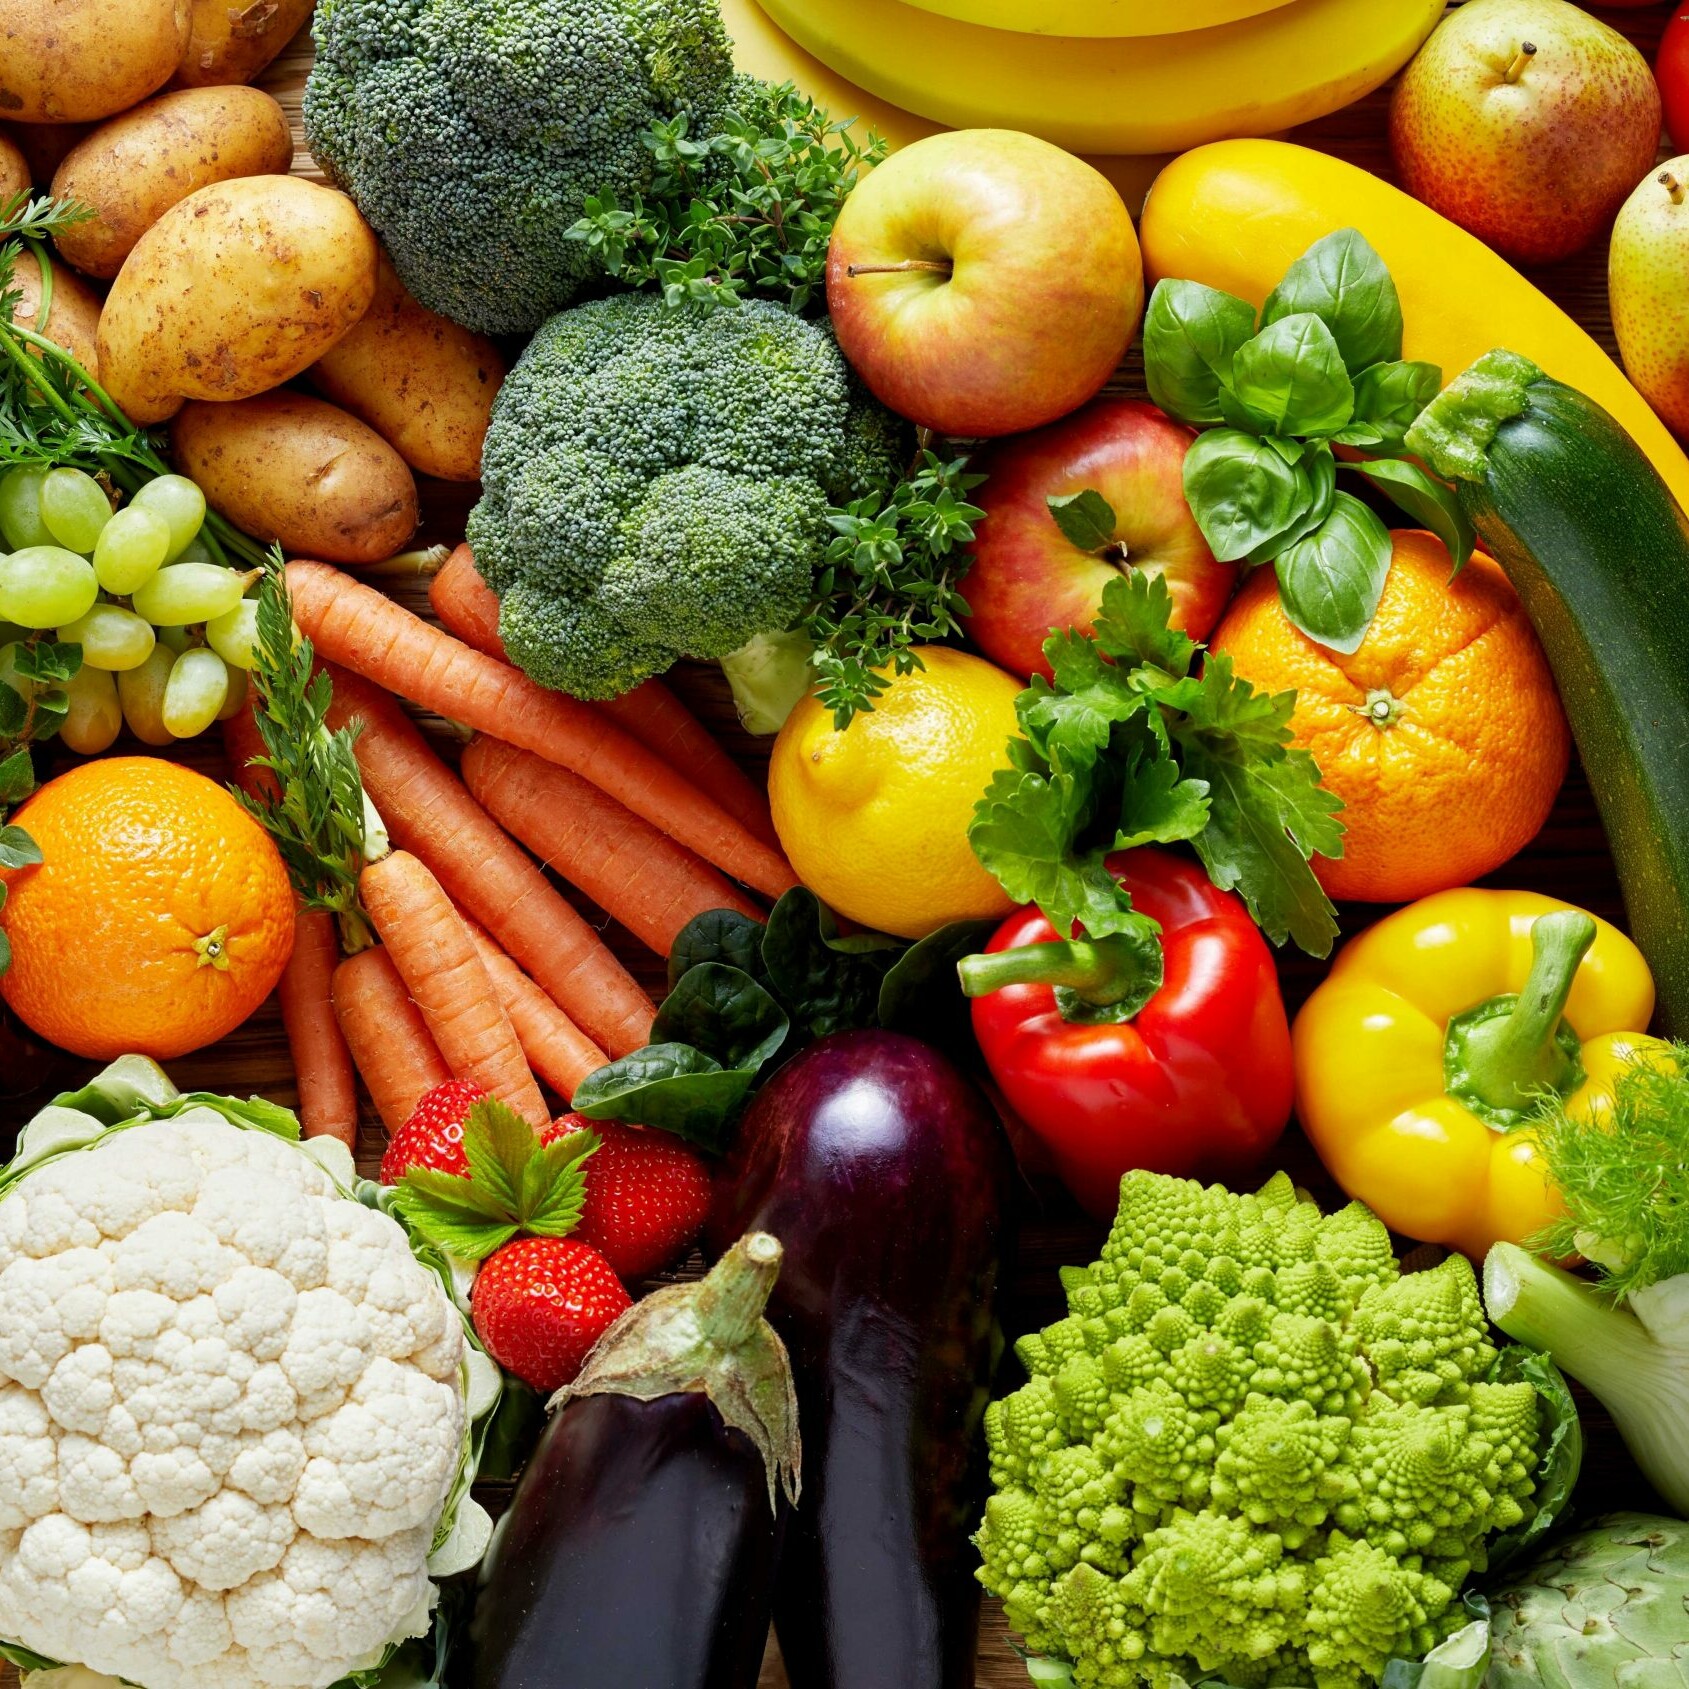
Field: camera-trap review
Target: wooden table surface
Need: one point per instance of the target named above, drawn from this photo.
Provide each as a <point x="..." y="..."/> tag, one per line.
<point x="1568" y="859"/>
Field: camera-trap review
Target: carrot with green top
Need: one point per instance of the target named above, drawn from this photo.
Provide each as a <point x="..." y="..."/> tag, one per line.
<point x="395" y="1053"/>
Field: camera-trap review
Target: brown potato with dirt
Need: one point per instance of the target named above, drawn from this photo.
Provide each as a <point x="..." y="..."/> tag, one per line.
<point x="233" y="41"/>
<point x="131" y="170"/>
<point x="237" y="289"/>
<point x="422" y="383"/>
<point x="75" y="61"/>
<point x="73" y="312"/>
<point x="287" y="467"/>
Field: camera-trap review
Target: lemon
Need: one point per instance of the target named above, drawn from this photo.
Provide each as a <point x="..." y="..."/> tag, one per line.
<point x="874" y="819"/>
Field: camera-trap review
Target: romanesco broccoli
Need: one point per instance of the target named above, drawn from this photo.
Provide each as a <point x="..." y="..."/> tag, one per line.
<point x="1252" y="1450"/>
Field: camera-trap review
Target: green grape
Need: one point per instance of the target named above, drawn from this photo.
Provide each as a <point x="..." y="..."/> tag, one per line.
<point x="197" y="689"/>
<point x="181" y="593"/>
<point x="111" y="637"/>
<point x="130" y="550"/>
<point x="236" y="700"/>
<point x="178" y="639"/>
<point x="20" y="508"/>
<point x="234" y="637"/>
<point x="44" y="586"/>
<point x="195" y="551"/>
<point x="74" y="508"/>
<point x="141" y="692"/>
<point x="180" y="502"/>
<point x="95" y="717"/>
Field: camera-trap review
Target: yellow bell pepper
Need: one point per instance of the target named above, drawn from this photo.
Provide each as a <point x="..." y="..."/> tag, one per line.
<point x="1421" y="1059"/>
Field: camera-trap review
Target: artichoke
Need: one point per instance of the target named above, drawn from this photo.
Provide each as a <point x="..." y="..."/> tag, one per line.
<point x="1606" y="1609"/>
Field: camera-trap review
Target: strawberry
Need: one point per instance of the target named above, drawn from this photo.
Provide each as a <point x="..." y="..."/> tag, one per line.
<point x="647" y="1194"/>
<point x="540" y="1303"/>
<point x="433" y="1136"/>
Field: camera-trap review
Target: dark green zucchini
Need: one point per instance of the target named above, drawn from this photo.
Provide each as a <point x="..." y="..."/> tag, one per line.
<point x="1598" y="550"/>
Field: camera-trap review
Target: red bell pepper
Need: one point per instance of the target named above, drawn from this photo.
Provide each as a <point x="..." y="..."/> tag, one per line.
<point x="1194" y="1081"/>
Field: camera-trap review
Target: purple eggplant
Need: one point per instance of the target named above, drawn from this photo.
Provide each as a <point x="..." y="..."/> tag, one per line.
<point x="886" y="1175"/>
<point x="641" y="1544"/>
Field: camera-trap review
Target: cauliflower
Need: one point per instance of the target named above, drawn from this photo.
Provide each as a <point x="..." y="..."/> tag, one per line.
<point x="232" y="1411"/>
<point x="1253" y="1449"/>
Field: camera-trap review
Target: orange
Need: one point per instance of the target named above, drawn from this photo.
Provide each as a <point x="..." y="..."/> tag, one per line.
<point x="1443" y="734"/>
<point x="874" y="819"/>
<point x="159" y="919"/>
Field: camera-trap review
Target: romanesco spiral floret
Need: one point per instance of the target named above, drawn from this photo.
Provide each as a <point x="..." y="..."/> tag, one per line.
<point x="1251" y="1450"/>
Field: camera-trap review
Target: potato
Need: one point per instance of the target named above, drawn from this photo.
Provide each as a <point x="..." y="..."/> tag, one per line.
<point x="232" y="292"/>
<point x="71" y="61"/>
<point x="300" y="470"/>
<point x="134" y="168"/>
<point x="73" y="313"/>
<point x="422" y="383"/>
<point x="231" y="41"/>
<point x="15" y="176"/>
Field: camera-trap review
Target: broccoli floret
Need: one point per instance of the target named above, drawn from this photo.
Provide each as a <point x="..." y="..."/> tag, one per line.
<point x="1252" y="1449"/>
<point x="656" y="483"/>
<point x="472" y="132"/>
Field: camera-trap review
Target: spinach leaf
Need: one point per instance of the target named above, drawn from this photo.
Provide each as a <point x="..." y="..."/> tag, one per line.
<point x="1291" y="378"/>
<point x="717" y="935"/>
<point x="722" y="1011"/>
<point x="672" y="1086"/>
<point x="1389" y="398"/>
<point x="1330" y="581"/>
<point x="1430" y="502"/>
<point x="827" y="982"/>
<point x="919" y="994"/>
<point x="1190" y="335"/>
<point x="1344" y="283"/>
<point x="1243" y="494"/>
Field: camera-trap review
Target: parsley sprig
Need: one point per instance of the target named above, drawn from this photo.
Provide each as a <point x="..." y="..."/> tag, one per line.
<point x="1134" y="743"/>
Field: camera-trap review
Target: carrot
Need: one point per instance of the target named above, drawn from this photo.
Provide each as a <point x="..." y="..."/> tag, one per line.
<point x="447" y="980"/>
<point x="361" y="628"/>
<point x="241" y="743"/>
<point x="644" y="880"/>
<point x="650" y="712"/>
<point x="428" y="813"/>
<point x="322" y="1064"/>
<point x="396" y="1057"/>
<point x="557" y="1050"/>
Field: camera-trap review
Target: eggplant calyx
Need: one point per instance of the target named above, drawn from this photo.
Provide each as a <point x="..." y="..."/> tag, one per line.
<point x="710" y="1336"/>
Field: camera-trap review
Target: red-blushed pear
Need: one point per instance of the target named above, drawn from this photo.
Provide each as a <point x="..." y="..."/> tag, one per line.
<point x="1527" y="122"/>
<point x="1646" y="264"/>
<point x="983" y="281"/>
<point x="1115" y="474"/>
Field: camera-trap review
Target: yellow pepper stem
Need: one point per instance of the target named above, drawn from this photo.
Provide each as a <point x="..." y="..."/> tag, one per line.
<point x="1503" y="1055"/>
<point x="1103" y="979"/>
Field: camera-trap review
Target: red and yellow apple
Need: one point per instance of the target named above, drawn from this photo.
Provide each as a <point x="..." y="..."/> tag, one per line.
<point x="1028" y="576"/>
<point x="984" y="282"/>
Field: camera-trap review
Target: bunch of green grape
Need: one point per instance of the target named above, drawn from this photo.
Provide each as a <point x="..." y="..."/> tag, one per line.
<point x="166" y="631"/>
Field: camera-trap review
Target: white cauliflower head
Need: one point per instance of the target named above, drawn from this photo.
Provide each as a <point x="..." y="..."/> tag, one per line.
<point x="231" y="1413"/>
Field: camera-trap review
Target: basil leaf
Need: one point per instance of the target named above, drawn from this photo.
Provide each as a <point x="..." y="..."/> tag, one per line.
<point x="1190" y="335"/>
<point x="17" y="775"/>
<point x="1086" y="518"/>
<point x="1291" y="375"/>
<point x="18" y="849"/>
<point x="1317" y="472"/>
<point x="1344" y="283"/>
<point x="827" y="983"/>
<point x="1241" y="492"/>
<point x="722" y="1011"/>
<point x="717" y="935"/>
<point x="1330" y="581"/>
<point x="1389" y="398"/>
<point x="671" y="1086"/>
<point x="1430" y="502"/>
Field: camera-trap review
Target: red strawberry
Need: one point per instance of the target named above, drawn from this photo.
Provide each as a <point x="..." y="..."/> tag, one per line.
<point x="647" y="1194"/>
<point x="433" y="1136"/>
<point x="540" y="1303"/>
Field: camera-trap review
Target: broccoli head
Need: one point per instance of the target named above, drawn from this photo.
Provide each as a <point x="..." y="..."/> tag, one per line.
<point x="656" y="483"/>
<point x="1252" y="1449"/>
<point x="472" y="132"/>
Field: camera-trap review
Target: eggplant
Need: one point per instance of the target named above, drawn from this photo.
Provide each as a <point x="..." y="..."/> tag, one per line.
<point x="886" y="1175"/>
<point x="640" y="1546"/>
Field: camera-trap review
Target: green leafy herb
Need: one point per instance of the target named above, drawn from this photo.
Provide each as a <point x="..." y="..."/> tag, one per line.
<point x="1086" y="518"/>
<point x="890" y="582"/>
<point x="745" y="212"/>
<point x="516" y="1186"/>
<point x="315" y="810"/>
<point x="1132" y="743"/>
<point x="1322" y="368"/>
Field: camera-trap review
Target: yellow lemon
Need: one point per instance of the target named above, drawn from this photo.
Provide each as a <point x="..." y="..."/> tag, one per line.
<point x="874" y="820"/>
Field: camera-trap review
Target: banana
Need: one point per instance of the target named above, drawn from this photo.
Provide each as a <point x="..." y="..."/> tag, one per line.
<point x="1157" y="93"/>
<point x="1098" y="17"/>
<point x="759" y="49"/>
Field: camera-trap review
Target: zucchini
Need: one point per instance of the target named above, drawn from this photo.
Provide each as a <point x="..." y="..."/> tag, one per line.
<point x="1598" y="550"/>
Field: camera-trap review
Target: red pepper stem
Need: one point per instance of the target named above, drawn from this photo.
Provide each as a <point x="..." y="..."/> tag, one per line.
<point x="1100" y="974"/>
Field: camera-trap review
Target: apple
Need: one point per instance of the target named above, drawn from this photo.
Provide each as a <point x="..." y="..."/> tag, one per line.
<point x="1527" y="122"/>
<point x="1033" y="572"/>
<point x="984" y="282"/>
<point x="1646" y="263"/>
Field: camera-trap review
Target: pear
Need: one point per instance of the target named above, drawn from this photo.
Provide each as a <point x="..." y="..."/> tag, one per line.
<point x="1648" y="290"/>
<point x="1527" y="122"/>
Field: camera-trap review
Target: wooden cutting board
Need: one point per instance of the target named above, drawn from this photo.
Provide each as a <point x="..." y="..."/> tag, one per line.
<point x="1568" y="859"/>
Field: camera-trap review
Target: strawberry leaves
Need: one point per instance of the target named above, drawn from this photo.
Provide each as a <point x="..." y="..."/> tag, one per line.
<point x="516" y="1186"/>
